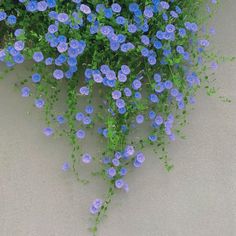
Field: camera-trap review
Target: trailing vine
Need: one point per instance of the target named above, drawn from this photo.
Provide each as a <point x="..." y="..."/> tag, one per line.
<point x="134" y="64"/>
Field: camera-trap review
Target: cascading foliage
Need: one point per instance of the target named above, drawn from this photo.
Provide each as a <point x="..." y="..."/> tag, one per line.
<point x="140" y="61"/>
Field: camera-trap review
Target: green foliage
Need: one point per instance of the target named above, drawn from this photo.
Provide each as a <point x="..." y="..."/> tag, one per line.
<point x="173" y="67"/>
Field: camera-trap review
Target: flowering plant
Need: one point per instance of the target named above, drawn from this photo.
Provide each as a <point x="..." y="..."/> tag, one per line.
<point x="124" y="65"/>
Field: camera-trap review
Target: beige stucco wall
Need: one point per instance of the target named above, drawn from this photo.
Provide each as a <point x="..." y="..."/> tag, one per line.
<point x="198" y="198"/>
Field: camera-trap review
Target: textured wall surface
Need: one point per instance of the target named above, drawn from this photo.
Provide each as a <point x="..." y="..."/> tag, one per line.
<point x="198" y="198"/>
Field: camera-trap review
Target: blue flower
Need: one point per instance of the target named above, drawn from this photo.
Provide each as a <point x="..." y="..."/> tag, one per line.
<point x="48" y="61"/>
<point x="3" y="15"/>
<point x="38" y="56"/>
<point x="19" y="45"/>
<point x="65" y="166"/>
<point x="159" y="120"/>
<point x="122" y="77"/>
<point x="62" y="47"/>
<point x="80" y="134"/>
<point x="116" y="7"/>
<point x="48" y="131"/>
<point x="123" y="171"/>
<point x="136" y="84"/>
<point x="87" y="120"/>
<point x="42" y="6"/>
<point x="148" y="12"/>
<point x="19" y="58"/>
<point x="115" y="162"/>
<point x="62" y="17"/>
<point x="36" y="77"/>
<point x="139" y="119"/>
<point x="129" y="151"/>
<point x="89" y="109"/>
<point x="25" y="92"/>
<point x="85" y="9"/>
<point x="18" y="32"/>
<point x="96" y="206"/>
<point x="108" y="13"/>
<point x="119" y="183"/>
<point x="52" y="28"/>
<point x="116" y="94"/>
<point x="125" y="69"/>
<point x="145" y="40"/>
<point x="60" y="119"/>
<point x="140" y="157"/>
<point x="84" y="90"/>
<point x="51" y="3"/>
<point x="127" y="92"/>
<point x="152" y="115"/>
<point x="58" y="74"/>
<point x="120" y="20"/>
<point x="152" y="138"/>
<point x="86" y="158"/>
<point x="133" y="7"/>
<point x="120" y="103"/>
<point x="111" y="172"/>
<point x="39" y="103"/>
<point x="11" y="19"/>
<point x="170" y="28"/>
<point x="31" y="6"/>
<point x="153" y="98"/>
<point x="132" y="28"/>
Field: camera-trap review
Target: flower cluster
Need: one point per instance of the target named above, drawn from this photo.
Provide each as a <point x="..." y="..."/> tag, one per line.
<point x="145" y="57"/>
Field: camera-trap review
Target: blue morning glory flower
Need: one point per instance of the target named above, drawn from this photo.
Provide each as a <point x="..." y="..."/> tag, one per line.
<point x="25" y="92"/>
<point x="119" y="183"/>
<point x="11" y="20"/>
<point x="48" y="131"/>
<point x="39" y="103"/>
<point x="38" y="56"/>
<point x="80" y="134"/>
<point x="65" y="166"/>
<point x="36" y="77"/>
<point x="86" y="158"/>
